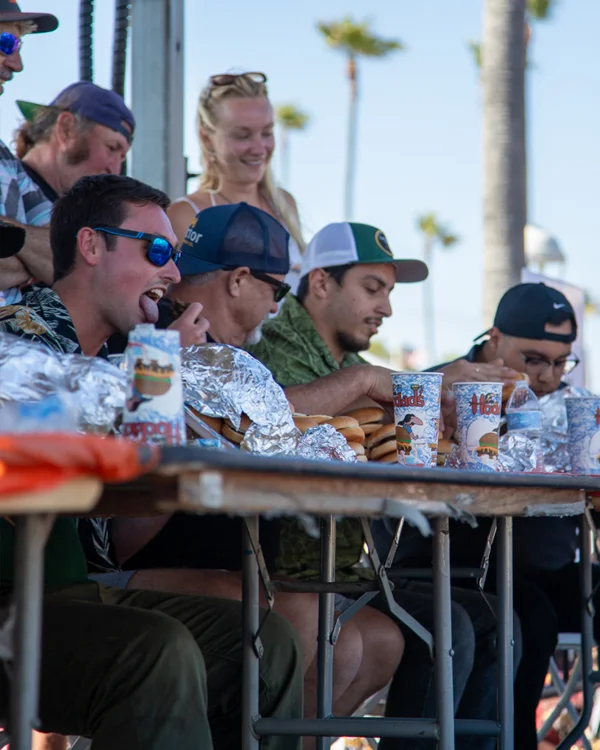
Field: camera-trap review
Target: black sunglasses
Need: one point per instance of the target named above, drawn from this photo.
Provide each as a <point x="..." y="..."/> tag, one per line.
<point x="226" y="79"/>
<point x="159" y="252"/>
<point x="280" y="288"/>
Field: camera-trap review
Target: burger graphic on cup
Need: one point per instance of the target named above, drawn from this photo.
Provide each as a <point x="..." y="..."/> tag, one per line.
<point x="487" y="450"/>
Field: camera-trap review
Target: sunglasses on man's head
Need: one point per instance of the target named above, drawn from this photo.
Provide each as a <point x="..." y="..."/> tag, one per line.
<point x="159" y="251"/>
<point x="9" y="44"/>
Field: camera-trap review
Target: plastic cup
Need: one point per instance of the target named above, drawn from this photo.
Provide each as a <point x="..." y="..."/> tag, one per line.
<point x="583" y="416"/>
<point x="478" y="411"/>
<point x="417" y="400"/>
<point x="154" y="407"/>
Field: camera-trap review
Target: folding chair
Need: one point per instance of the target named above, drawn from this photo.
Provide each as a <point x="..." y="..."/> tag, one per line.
<point x="569" y="642"/>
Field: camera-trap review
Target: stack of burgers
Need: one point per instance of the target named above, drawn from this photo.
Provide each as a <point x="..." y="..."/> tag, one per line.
<point x="382" y="446"/>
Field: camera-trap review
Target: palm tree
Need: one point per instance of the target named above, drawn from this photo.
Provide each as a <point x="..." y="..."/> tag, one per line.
<point x="289" y="118"/>
<point x="504" y="198"/>
<point x="354" y="40"/>
<point x="433" y="232"/>
<point x="502" y="60"/>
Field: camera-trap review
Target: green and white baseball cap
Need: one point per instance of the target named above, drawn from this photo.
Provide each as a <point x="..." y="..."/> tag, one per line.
<point x="348" y="242"/>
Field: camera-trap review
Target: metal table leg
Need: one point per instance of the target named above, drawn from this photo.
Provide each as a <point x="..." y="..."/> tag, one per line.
<point x="505" y="634"/>
<point x="31" y="535"/>
<point x="252" y="645"/>
<point x="443" y="633"/>
<point x="587" y="637"/>
<point x="326" y="610"/>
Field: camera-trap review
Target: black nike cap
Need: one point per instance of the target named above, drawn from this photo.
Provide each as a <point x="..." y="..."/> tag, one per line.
<point x="526" y="309"/>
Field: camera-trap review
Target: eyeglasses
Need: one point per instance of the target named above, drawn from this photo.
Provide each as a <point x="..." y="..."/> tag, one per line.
<point x="159" y="252"/>
<point x="9" y="44"/>
<point x="280" y="288"/>
<point x="537" y="365"/>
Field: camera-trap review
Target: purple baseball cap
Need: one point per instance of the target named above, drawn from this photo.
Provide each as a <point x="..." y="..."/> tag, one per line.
<point x="11" y="13"/>
<point x="90" y="101"/>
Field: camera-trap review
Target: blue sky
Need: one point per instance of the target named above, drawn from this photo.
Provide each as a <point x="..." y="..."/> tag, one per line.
<point x="419" y="127"/>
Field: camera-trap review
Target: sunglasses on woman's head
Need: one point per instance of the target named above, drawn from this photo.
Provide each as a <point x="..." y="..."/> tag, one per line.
<point x="227" y="79"/>
<point x="159" y="251"/>
<point x="9" y="44"/>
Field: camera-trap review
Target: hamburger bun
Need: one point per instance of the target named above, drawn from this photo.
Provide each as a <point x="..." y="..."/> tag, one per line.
<point x="320" y="418"/>
<point x="232" y="435"/>
<point x="353" y="434"/>
<point x="357" y="448"/>
<point x="342" y="422"/>
<point x="508" y="389"/>
<point x="444" y="446"/>
<point x="362" y="459"/>
<point x="385" y="432"/>
<point x="383" y="449"/>
<point x="389" y="458"/>
<point x="245" y="422"/>
<point x="304" y="423"/>
<point x="215" y="423"/>
<point x="369" y="429"/>
<point x="368" y="415"/>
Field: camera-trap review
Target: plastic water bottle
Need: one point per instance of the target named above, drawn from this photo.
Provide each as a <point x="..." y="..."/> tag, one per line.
<point x="523" y="417"/>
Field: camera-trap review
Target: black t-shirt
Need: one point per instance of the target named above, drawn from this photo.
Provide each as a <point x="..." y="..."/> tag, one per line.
<point x="538" y="543"/>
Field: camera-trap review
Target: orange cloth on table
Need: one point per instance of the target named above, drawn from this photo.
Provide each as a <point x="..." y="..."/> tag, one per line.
<point x="39" y="462"/>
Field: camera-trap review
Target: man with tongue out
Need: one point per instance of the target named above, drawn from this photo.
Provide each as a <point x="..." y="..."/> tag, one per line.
<point x="131" y="668"/>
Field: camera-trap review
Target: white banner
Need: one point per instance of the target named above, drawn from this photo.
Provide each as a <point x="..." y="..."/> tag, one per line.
<point x="576" y="297"/>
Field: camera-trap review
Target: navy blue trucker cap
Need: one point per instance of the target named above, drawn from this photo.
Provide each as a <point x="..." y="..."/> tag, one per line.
<point x="234" y="236"/>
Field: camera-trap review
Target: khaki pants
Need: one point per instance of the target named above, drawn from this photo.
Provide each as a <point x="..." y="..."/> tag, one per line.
<point x="146" y="670"/>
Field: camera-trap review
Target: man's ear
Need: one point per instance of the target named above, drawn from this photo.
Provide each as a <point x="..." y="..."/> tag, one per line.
<point x="65" y="128"/>
<point x="88" y="246"/>
<point x="319" y="282"/>
<point x="494" y="342"/>
<point x="236" y="280"/>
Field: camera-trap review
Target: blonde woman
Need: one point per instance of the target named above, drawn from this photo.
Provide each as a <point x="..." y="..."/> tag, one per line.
<point x="236" y="129"/>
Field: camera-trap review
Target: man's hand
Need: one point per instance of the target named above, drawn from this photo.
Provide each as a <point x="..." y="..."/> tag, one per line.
<point x="380" y="384"/>
<point x="191" y="325"/>
<point x="462" y="371"/>
<point x="13" y="273"/>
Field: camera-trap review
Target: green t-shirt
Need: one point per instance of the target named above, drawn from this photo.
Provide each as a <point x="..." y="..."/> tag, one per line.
<point x="293" y="350"/>
<point x="42" y="318"/>
<point x="65" y="563"/>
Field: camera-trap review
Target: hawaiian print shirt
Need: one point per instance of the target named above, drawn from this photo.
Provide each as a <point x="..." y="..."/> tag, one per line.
<point x="292" y="348"/>
<point x="41" y="317"/>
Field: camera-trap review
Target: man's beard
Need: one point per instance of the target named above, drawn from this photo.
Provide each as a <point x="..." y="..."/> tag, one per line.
<point x="351" y="344"/>
<point x="79" y="152"/>
<point x="254" y="336"/>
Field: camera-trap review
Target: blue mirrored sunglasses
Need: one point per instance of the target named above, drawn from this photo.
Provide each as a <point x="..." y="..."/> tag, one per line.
<point x="9" y="44"/>
<point x="159" y="251"/>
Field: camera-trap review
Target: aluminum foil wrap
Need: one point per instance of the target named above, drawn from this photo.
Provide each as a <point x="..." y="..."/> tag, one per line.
<point x="222" y="381"/>
<point x="517" y="453"/>
<point x="94" y="388"/>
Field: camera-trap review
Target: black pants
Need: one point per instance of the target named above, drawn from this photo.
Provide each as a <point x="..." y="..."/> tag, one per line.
<point x="474" y="642"/>
<point x="548" y="602"/>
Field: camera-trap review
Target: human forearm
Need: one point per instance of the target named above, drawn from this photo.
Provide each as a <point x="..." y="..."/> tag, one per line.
<point x="130" y="535"/>
<point x="12" y="273"/>
<point x="331" y="394"/>
<point x="36" y="254"/>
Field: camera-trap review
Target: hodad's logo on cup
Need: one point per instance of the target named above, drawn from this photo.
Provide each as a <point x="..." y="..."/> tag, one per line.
<point x="417" y="399"/>
<point x="478" y="410"/>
